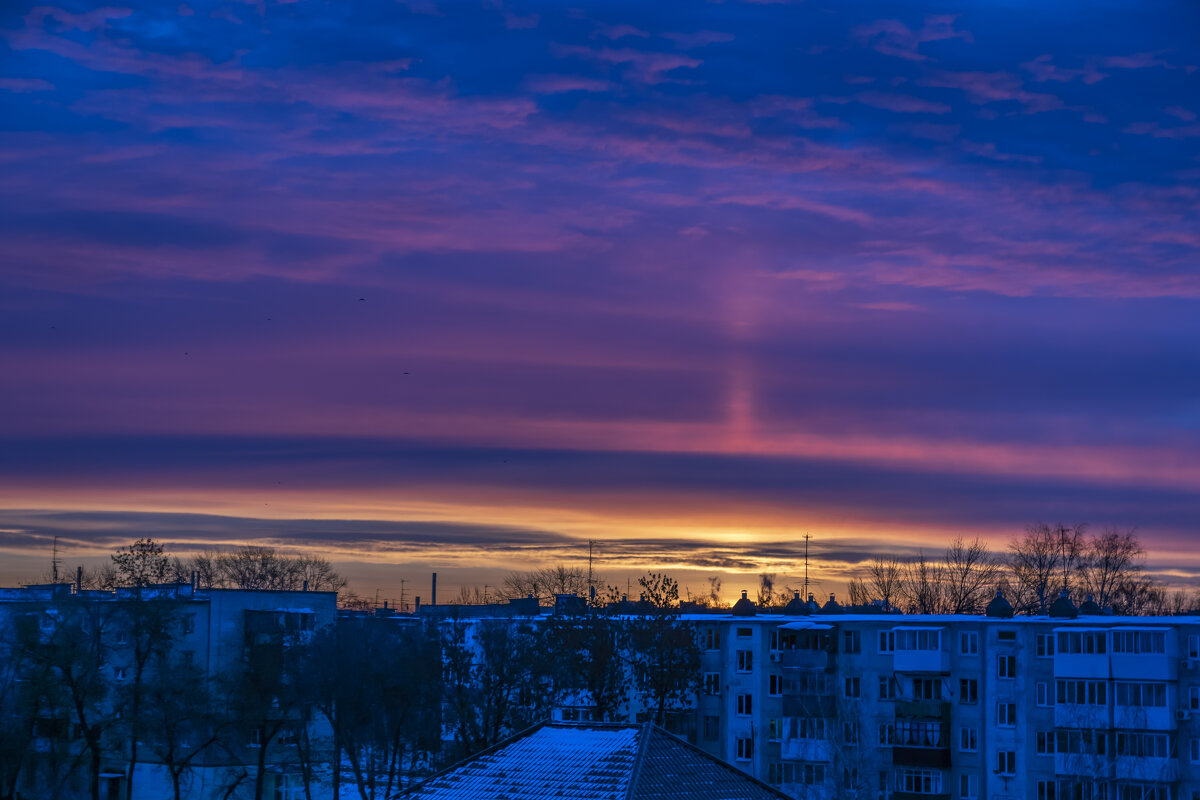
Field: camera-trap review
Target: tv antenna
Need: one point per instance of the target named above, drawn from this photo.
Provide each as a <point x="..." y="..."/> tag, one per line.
<point x="806" y="538"/>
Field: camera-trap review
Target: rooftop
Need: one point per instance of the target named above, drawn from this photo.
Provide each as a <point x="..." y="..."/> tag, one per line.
<point x="593" y="761"/>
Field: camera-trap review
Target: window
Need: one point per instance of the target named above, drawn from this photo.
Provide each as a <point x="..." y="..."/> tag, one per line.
<point x="968" y="740"/>
<point x="1196" y="751"/>
<point x="1194" y="698"/>
<point x="1045" y="645"/>
<point x="810" y="728"/>
<point x="745" y="704"/>
<point x="1043" y="694"/>
<point x="1006" y="715"/>
<point x="850" y="777"/>
<point x="919" y="781"/>
<point x="1080" y="692"/>
<point x="1045" y="743"/>
<point x="1139" y="642"/>
<point x="745" y="660"/>
<point x="745" y="748"/>
<point x="887" y="641"/>
<point x="1006" y="666"/>
<point x="775" y="729"/>
<point x="189" y="624"/>
<point x="926" y="688"/>
<point x="968" y="787"/>
<point x="1142" y="745"/>
<point x="928" y="639"/>
<point x="1081" y="742"/>
<point x="919" y="734"/>
<point x="852" y="686"/>
<point x="1148" y="695"/>
<point x="887" y="734"/>
<point x="968" y="691"/>
<point x="712" y="727"/>
<point x="850" y="734"/>
<point x="744" y="633"/>
<point x="1193" y="645"/>
<point x="1006" y="636"/>
<point x="712" y="683"/>
<point x="851" y="642"/>
<point x="775" y="685"/>
<point x="774" y="773"/>
<point x="968" y="643"/>
<point x="1006" y="762"/>
<point x="775" y="640"/>
<point x="712" y="639"/>
<point x="289" y="787"/>
<point x="1047" y="790"/>
<point x="887" y="687"/>
<point x="810" y="774"/>
<point x="1082" y="642"/>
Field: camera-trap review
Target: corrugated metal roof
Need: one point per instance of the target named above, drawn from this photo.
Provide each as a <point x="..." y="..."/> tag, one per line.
<point x="592" y="761"/>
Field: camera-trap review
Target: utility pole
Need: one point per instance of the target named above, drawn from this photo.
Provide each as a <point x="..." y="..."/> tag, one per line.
<point x="403" y="602"/>
<point x="54" y="560"/>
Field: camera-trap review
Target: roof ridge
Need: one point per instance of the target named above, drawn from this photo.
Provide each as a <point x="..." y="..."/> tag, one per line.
<point x="635" y="771"/>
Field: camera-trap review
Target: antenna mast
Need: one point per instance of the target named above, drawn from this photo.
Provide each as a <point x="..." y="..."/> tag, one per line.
<point x="54" y="560"/>
<point x="806" y="538"/>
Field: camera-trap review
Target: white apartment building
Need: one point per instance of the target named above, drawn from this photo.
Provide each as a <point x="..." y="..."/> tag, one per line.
<point x="910" y="707"/>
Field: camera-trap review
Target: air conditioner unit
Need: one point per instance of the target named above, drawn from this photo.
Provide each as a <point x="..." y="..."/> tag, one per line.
<point x="775" y="658"/>
<point x="1182" y="714"/>
<point x="1191" y="663"/>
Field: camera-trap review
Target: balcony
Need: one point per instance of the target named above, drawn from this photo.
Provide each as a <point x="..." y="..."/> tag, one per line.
<point x="1081" y="715"/>
<point x="809" y="705"/>
<point x="1083" y="765"/>
<point x="806" y="750"/>
<point x="923" y="709"/>
<point x="1147" y="770"/>
<point x="933" y="757"/>
<point x="804" y="659"/>
<point x="919" y="796"/>
<point x="1144" y="718"/>
<point x="932" y="661"/>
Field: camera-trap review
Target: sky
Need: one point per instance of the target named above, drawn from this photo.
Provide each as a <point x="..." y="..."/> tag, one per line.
<point x="462" y="286"/>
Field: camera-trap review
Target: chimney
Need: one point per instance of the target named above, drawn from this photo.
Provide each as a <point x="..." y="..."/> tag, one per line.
<point x="305" y="589"/>
<point x="744" y="595"/>
<point x="417" y="607"/>
<point x="831" y="597"/>
<point x="194" y="580"/>
<point x="433" y="592"/>
<point x="385" y="605"/>
<point x="78" y="580"/>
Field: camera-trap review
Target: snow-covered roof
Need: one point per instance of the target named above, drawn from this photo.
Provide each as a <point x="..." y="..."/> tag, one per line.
<point x="592" y="761"/>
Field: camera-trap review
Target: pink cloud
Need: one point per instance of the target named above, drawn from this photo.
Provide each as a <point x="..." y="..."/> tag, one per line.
<point x="1043" y="69"/>
<point x="992" y="87"/>
<point x="892" y="37"/>
<point x="689" y="41"/>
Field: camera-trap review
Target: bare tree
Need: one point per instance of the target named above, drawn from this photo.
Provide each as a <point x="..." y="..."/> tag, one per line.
<point x="1042" y="562"/>
<point x="1112" y="569"/>
<point x="860" y="595"/>
<point x="968" y="575"/>
<point x="885" y="581"/>
<point x="547" y="582"/>
<point x="923" y="588"/>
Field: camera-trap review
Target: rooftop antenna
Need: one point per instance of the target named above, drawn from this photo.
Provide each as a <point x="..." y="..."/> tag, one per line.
<point x="806" y="538"/>
<point x="591" y="542"/>
<point x="54" y="560"/>
<point x="403" y="602"/>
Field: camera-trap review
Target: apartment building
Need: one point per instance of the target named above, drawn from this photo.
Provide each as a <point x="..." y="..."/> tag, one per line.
<point x="1063" y="707"/>
<point x="93" y="634"/>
